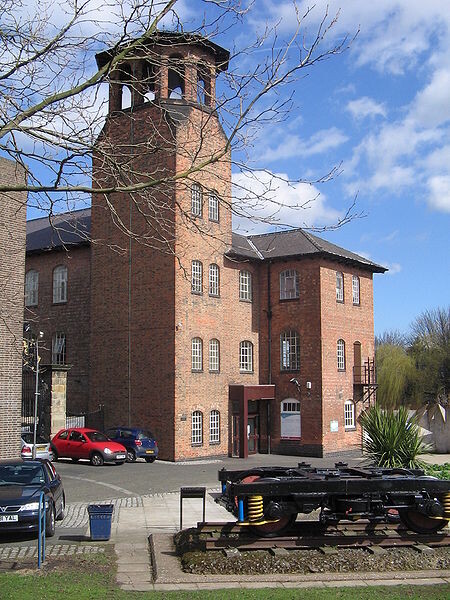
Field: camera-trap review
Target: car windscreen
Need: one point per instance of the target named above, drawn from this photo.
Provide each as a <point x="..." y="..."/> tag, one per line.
<point x="27" y="437"/>
<point x="96" y="436"/>
<point x="21" y="475"/>
<point x="144" y="435"/>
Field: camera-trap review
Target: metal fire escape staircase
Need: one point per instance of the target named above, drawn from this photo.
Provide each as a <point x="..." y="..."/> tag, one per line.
<point x="365" y="382"/>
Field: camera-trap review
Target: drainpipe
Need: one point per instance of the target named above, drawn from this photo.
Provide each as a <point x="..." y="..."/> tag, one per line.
<point x="269" y="352"/>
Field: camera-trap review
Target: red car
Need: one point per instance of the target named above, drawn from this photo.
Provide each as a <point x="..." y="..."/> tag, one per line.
<point x="82" y="442"/>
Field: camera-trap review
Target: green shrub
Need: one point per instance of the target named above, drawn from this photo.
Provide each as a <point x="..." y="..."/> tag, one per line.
<point x="439" y="471"/>
<point x="393" y="438"/>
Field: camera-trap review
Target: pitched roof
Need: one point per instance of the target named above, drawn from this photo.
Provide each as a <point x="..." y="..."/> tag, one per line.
<point x="74" y="228"/>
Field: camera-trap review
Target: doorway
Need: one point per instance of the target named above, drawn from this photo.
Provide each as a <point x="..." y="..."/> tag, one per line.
<point x="253" y="434"/>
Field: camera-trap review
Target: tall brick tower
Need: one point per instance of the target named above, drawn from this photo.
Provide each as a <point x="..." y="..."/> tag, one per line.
<point x="161" y="125"/>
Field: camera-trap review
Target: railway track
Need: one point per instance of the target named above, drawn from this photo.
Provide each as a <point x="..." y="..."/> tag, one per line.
<point x="309" y="535"/>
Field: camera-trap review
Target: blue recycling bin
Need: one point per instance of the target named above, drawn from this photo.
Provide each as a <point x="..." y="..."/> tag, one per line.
<point x="100" y="517"/>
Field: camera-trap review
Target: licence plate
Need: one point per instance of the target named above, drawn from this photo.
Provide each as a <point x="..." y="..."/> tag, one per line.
<point x="8" y="518"/>
<point x="119" y="456"/>
<point x="149" y="452"/>
<point x="40" y="448"/>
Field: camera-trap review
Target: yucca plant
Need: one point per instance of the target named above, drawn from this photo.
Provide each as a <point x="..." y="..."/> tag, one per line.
<point x="392" y="438"/>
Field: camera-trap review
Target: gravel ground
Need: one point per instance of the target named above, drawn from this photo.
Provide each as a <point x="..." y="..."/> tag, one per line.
<point x="313" y="561"/>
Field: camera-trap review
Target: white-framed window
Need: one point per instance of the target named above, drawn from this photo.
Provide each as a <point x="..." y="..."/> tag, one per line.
<point x="213" y="207"/>
<point x="290" y="418"/>
<point x="341" y="355"/>
<point x="31" y="288"/>
<point x="355" y="289"/>
<point x="214" y="427"/>
<point x="349" y="414"/>
<point x="59" y="349"/>
<point x="214" y="280"/>
<point x="339" y="286"/>
<point x="60" y="284"/>
<point x="196" y="200"/>
<point x="246" y="357"/>
<point x="245" y="286"/>
<point x="197" y="354"/>
<point x="289" y="287"/>
<point x="196" y="277"/>
<point x="214" y="355"/>
<point x="290" y="351"/>
<point x="197" y="428"/>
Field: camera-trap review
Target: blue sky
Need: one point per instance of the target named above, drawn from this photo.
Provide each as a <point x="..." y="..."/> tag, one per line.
<point x="381" y="111"/>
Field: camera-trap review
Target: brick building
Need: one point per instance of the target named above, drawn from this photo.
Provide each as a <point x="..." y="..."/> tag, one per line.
<point x="219" y="343"/>
<point x="12" y="266"/>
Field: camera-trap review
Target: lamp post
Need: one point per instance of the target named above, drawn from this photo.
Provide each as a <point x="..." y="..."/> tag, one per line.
<point x="39" y="336"/>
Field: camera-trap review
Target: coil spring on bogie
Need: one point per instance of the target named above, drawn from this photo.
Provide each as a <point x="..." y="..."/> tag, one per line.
<point x="255" y="508"/>
<point x="446" y="505"/>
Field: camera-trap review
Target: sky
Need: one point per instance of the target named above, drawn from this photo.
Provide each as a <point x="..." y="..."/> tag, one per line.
<point x="380" y="113"/>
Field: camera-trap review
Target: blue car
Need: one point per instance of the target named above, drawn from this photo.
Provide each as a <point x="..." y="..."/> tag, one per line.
<point x="139" y="443"/>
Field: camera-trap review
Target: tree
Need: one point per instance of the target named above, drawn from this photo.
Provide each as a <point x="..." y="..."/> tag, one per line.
<point x="396" y="374"/>
<point x="53" y="103"/>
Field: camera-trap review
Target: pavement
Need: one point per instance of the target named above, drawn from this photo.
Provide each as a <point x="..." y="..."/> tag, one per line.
<point x="142" y="535"/>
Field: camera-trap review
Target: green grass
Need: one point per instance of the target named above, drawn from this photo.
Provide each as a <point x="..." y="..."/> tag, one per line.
<point x="51" y="586"/>
<point x="441" y="471"/>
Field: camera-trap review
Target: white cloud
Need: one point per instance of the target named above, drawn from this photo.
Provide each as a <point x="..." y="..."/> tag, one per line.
<point x="365" y="107"/>
<point x="439" y="197"/>
<point x="431" y="107"/>
<point x="293" y="145"/>
<point x="263" y="200"/>
<point x="394" y="268"/>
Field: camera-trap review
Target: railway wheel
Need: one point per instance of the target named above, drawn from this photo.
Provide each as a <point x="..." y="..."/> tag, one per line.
<point x="275" y="527"/>
<point x="420" y="523"/>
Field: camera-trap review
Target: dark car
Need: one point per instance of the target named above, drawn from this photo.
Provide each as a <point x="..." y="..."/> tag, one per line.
<point x="21" y="483"/>
<point x="90" y="444"/>
<point x="140" y="443"/>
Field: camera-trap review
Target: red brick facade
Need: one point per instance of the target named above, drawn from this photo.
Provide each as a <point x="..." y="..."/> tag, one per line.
<point x="134" y="303"/>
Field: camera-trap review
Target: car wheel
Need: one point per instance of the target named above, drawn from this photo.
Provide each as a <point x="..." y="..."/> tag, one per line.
<point x="149" y="460"/>
<point x="75" y="459"/>
<point x="50" y="522"/>
<point x="131" y="455"/>
<point x="55" y="455"/>
<point x="61" y="515"/>
<point x="97" y="459"/>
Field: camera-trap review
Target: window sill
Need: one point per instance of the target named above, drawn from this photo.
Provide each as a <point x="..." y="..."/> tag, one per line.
<point x="197" y="445"/>
<point x="289" y="299"/>
<point x="214" y="295"/>
<point x="356" y="304"/>
<point x="246" y="372"/>
<point x="297" y="370"/>
<point x="340" y="301"/>
<point x="290" y="438"/>
<point x="59" y="302"/>
<point x="196" y="293"/>
<point x="196" y="370"/>
<point x="214" y="371"/>
<point x="350" y="428"/>
<point x="341" y="370"/>
<point x="213" y="220"/>
<point x="214" y="443"/>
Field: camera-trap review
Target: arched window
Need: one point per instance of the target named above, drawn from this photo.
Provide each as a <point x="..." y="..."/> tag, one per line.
<point x="290" y="351"/>
<point x="214" y="427"/>
<point x="59" y="349"/>
<point x="289" y="287"/>
<point x="339" y="286"/>
<point x="60" y="284"/>
<point x="196" y="200"/>
<point x="196" y="277"/>
<point x="214" y="280"/>
<point x="341" y="355"/>
<point x="31" y="288"/>
<point x="213" y="207"/>
<point x="245" y="286"/>
<point x="214" y="356"/>
<point x="355" y="289"/>
<point x="246" y="357"/>
<point x="290" y="418"/>
<point x="197" y="354"/>
<point x="349" y="414"/>
<point x="176" y="77"/>
<point x="197" y="428"/>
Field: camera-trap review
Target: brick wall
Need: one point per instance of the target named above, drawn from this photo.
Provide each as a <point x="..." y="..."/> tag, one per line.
<point x="12" y="261"/>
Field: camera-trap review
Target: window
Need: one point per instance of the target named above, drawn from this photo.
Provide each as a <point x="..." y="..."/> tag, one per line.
<point x="214" y="356"/>
<point x="214" y="280"/>
<point x="213" y="207"/>
<point x="339" y="287"/>
<point x="197" y="428"/>
<point x="341" y="355"/>
<point x="290" y="351"/>
<point x="245" y="285"/>
<point x="196" y="277"/>
<point x="290" y="418"/>
<point x="31" y="288"/>
<point x="349" y="414"/>
<point x="60" y="284"/>
<point x="289" y="285"/>
<point x="59" y="349"/>
<point x="246" y="357"/>
<point x="197" y="354"/>
<point x="214" y="427"/>
<point x="355" y="289"/>
<point x="196" y="200"/>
